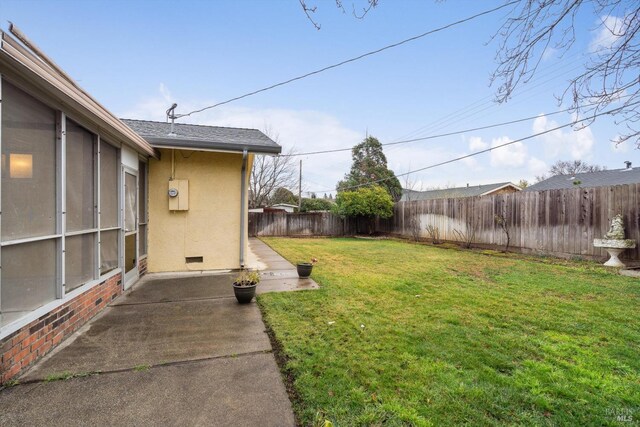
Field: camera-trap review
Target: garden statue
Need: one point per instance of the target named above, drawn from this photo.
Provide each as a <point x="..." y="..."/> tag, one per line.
<point x="616" y="231"/>
<point x="614" y="242"/>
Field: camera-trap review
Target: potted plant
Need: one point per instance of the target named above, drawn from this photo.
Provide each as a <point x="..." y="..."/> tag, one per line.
<point x="244" y="286"/>
<point x="304" y="268"/>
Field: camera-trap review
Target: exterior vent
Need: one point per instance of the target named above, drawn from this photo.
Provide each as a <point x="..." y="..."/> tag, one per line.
<point x="192" y="259"/>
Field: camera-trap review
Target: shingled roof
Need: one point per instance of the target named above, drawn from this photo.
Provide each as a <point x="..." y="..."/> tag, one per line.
<point x="199" y="137"/>
<point x="455" y="193"/>
<point x="589" y="179"/>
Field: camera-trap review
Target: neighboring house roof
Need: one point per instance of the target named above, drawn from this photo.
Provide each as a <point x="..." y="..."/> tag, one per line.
<point x="23" y="62"/>
<point x="589" y="179"/>
<point x="284" y="205"/>
<point x="199" y="137"/>
<point x="456" y="193"/>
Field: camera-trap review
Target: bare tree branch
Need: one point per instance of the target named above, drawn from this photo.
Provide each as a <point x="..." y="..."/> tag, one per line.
<point x="269" y="173"/>
<point x="610" y="74"/>
<point x="310" y="10"/>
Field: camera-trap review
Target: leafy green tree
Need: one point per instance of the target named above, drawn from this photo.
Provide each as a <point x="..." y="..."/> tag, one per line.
<point x="283" y="195"/>
<point x="365" y="202"/>
<point x="315" y="205"/>
<point x="369" y="168"/>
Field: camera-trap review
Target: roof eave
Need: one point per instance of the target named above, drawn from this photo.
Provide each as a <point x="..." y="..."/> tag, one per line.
<point x="190" y="144"/>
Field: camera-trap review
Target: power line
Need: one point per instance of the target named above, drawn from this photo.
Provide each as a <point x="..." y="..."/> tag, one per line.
<point x="458" y="132"/>
<point x="479" y="106"/>
<point x="590" y="118"/>
<point x="347" y="61"/>
<point x="442" y="135"/>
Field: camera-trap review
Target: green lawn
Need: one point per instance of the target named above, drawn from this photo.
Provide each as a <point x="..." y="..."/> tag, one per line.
<point x="407" y="334"/>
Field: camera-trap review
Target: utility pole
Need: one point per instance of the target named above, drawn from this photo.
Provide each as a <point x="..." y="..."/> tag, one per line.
<point x="300" y="188"/>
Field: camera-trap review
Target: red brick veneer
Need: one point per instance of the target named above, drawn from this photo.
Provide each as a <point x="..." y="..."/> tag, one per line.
<point x="142" y="266"/>
<point x="22" y="348"/>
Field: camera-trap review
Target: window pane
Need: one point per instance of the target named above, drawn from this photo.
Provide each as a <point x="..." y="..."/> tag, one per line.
<point x="142" y="179"/>
<point x="129" y="202"/>
<point x="108" y="250"/>
<point x="109" y="170"/>
<point x="28" y="278"/>
<point x="142" y="233"/>
<point x="80" y="178"/>
<point x="28" y="166"/>
<point x="79" y="260"/>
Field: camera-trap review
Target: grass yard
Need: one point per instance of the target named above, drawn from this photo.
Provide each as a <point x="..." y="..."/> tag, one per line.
<point x="406" y="334"/>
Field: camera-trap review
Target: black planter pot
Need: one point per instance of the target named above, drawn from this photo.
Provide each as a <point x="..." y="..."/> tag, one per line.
<point x="244" y="294"/>
<point x="304" y="269"/>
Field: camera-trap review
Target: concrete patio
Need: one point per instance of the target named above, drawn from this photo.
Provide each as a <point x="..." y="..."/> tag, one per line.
<point x="174" y="349"/>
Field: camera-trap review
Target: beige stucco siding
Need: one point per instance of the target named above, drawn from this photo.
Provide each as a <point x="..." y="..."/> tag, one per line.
<point x="211" y="227"/>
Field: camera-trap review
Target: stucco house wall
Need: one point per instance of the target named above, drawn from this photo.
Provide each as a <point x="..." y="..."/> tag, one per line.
<point x="210" y="228"/>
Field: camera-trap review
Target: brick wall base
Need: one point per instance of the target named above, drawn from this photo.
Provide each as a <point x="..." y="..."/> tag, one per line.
<point x="142" y="266"/>
<point x="25" y="346"/>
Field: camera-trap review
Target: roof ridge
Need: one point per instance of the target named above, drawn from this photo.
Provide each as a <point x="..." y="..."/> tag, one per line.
<point x="604" y="170"/>
<point x="460" y="188"/>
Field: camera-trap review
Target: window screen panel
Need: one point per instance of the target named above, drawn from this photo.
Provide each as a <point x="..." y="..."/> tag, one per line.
<point x="28" y="166"/>
<point x="130" y="204"/>
<point x="28" y="278"/>
<point x="109" y="170"/>
<point x="108" y="250"/>
<point x="80" y="260"/>
<point x="80" y="178"/>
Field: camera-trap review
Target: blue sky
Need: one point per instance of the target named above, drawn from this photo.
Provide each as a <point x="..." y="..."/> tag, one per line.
<point x="137" y="57"/>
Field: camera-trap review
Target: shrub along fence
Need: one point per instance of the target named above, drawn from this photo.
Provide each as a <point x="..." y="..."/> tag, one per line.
<point x="556" y="222"/>
<point x="559" y="222"/>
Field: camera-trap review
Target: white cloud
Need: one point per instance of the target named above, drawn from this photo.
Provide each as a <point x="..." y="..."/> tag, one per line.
<point x="510" y="156"/>
<point x="476" y="144"/>
<point x="470" y="162"/>
<point x="578" y="144"/>
<point x="609" y="28"/>
<point x="549" y="53"/>
<point x="303" y="130"/>
<point x="536" y="166"/>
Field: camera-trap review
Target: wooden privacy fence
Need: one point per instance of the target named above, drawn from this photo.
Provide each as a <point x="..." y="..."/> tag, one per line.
<point x="561" y="222"/>
<point x="299" y="224"/>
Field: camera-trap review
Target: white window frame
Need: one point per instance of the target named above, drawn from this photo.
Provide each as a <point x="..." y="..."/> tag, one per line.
<point x="134" y="273"/>
<point x="146" y="205"/>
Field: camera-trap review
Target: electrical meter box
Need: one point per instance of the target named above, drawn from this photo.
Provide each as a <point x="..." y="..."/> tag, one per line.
<point x="179" y="195"/>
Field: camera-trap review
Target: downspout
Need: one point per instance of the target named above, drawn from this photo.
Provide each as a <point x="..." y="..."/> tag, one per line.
<point x="243" y="203"/>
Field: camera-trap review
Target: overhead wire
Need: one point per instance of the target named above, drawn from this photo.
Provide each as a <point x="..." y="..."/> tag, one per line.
<point x="476" y="153"/>
<point x="479" y="103"/>
<point x="442" y="135"/>
<point x="424" y="138"/>
<point x="356" y="58"/>
<point x="487" y="103"/>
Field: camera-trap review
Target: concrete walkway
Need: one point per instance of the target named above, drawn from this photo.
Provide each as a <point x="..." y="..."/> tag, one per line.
<point x="174" y="349"/>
